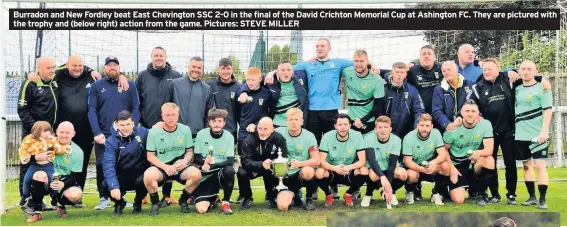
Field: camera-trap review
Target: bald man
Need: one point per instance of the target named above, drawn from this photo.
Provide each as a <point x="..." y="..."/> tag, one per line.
<point x="259" y="149"/>
<point x="467" y="65"/>
<point x="37" y="102"/>
<point x="65" y="191"/>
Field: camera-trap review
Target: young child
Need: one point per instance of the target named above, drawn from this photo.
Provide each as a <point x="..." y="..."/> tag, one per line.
<point x="40" y="140"/>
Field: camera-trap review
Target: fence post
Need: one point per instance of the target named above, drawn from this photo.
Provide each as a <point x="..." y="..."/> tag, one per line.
<point x="558" y="140"/>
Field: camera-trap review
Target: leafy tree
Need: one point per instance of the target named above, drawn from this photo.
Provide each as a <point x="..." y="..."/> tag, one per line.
<point x="537" y="48"/>
<point x="487" y="43"/>
<point x="277" y="54"/>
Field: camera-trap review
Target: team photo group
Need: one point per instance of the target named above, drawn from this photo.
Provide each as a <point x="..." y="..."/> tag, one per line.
<point x="443" y="122"/>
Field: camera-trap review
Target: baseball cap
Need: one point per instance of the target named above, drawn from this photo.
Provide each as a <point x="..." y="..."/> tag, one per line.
<point x="111" y="58"/>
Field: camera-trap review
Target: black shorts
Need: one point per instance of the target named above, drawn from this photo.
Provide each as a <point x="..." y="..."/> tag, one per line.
<point x="208" y="189"/>
<point x="335" y="178"/>
<point x="62" y="191"/>
<point x="526" y="150"/>
<point x="466" y="172"/>
<point x="294" y="182"/>
<point x="175" y="177"/>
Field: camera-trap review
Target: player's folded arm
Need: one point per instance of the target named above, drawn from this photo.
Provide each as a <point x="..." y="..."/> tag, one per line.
<point x="441" y="154"/>
<point x="324" y="163"/>
<point x="361" y="159"/>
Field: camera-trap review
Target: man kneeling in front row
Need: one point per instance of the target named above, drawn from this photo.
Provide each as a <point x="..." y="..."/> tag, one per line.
<point x="303" y="154"/>
<point x="214" y="153"/>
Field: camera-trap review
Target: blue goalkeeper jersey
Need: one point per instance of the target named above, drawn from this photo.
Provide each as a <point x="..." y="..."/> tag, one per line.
<point x="323" y="79"/>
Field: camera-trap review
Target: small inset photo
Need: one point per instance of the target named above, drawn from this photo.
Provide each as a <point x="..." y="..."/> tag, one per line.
<point x="469" y="219"/>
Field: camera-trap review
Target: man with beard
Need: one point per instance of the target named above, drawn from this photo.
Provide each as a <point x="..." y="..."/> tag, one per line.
<point x="470" y="155"/>
<point x="193" y="96"/>
<point x="106" y="100"/>
<point x="343" y="160"/>
<point x="217" y="167"/>
<point x="153" y="87"/>
<point x="424" y="158"/>
<point x="224" y="91"/>
<point x="365" y="94"/>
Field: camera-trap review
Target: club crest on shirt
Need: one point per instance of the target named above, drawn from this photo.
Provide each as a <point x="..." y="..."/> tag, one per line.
<point x="467" y="90"/>
<point x="301" y="82"/>
<point x="476" y="137"/>
<point x="529" y="96"/>
<point x="332" y="65"/>
<point x="364" y="86"/>
<point x="180" y="139"/>
<point x="436" y="75"/>
<point x="430" y="146"/>
<point x="67" y="159"/>
<point x="231" y="95"/>
<point x="260" y="101"/>
<point x="138" y="139"/>
<point x="349" y="150"/>
<point x="388" y="153"/>
<point x="299" y="147"/>
<point x="406" y="95"/>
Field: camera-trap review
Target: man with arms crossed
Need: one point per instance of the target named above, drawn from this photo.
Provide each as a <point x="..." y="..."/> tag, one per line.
<point x="170" y="151"/>
<point x="303" y="154"/>
<point x="468" y="164"/>
<point x="217" y="171"/>
<point x="533" y="116"/>
<point x="424" y="159"/>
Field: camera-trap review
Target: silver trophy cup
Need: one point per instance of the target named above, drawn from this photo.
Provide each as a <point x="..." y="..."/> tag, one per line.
<point x="280" y="168"/>
<point x="211" y="151"/>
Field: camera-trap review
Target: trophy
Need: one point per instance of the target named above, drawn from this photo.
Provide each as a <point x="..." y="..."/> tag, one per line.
<point x="56" y="177"/>
<point x="280" y="167"/>
<point x="211" y="150"/>
<point x="425" y="164"/>
<point x="470" y="153"/>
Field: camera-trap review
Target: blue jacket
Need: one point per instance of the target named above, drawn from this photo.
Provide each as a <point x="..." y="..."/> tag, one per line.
<point x="471" y="72"/>
<point x="447" y="102"/>
<point x="300" y="83"/>
<point x="403" y="106"/>
<point x="251" y="112"/>
<point x="125" y="155"/>
<point x="106" y="100"/>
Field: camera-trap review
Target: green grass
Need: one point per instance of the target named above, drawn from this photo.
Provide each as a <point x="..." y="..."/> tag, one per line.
<point x="259" y="214"/>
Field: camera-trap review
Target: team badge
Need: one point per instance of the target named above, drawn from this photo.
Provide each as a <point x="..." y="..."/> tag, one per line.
<point x="119" y="90"/>
<point x="529" y="95"/>
<point x="180" y="139"/>
<point x="430" y="146"/>
<point x="388" y="153"/>
<point x="222" y="148"/>
<point x="436" y="75"/>
<point x="88" y="85"/>
<point x="476" y="137"/>
<point x="260" y="101"/>
<point x="406" y="94"/>
<point x="301" y="82"/>
<point x="349" y="150"/>
<point x="232" y="95"/>
<point x="299" y="147"/>
<point x="467" y="90"/>
<point x="364" y="86"/>
<point x="138" y="139"/>
<point x="67" y="159"/>
<point x="332" y="65"/>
